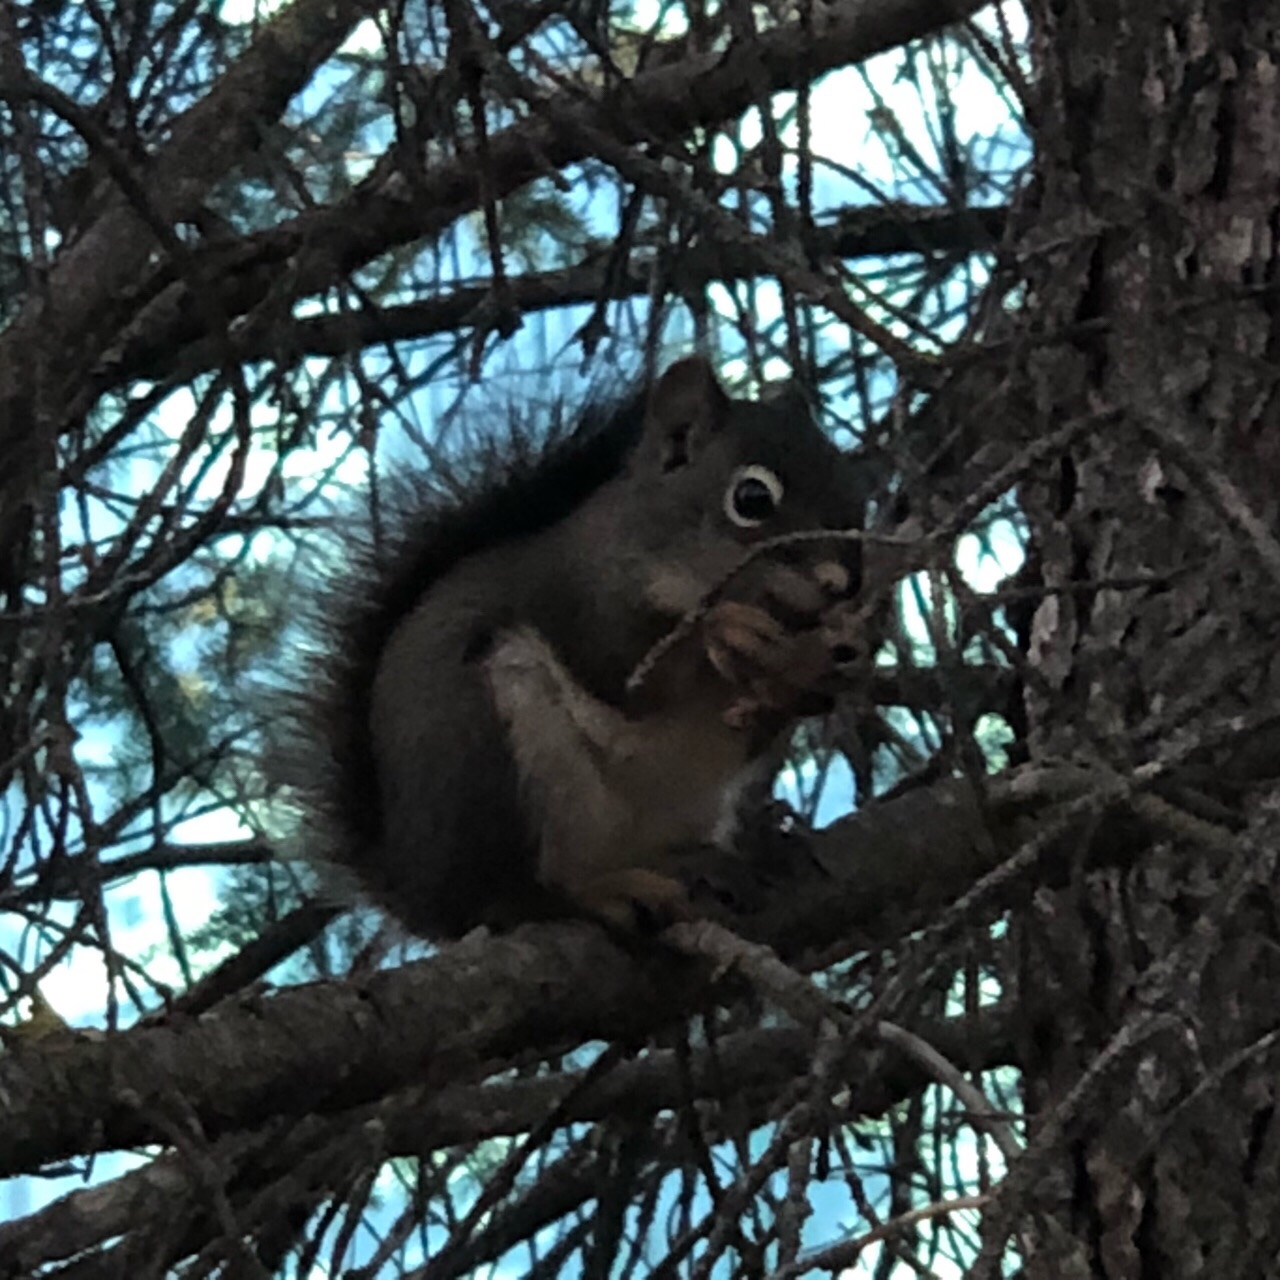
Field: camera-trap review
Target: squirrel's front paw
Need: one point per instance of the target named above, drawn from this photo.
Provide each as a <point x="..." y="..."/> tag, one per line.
<point x="636" y="899"/>
<point x="777" y="669"/>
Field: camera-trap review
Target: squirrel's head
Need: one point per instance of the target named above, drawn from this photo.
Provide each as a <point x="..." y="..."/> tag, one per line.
<point x="712" y="478"/>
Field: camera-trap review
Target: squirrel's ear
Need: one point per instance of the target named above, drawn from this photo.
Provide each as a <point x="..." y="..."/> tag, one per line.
<point x="686" y="406"/>
<point x="790" y="398"/>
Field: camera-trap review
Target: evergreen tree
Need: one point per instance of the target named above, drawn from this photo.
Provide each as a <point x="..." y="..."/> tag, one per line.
<point x="1010" y="1012"/>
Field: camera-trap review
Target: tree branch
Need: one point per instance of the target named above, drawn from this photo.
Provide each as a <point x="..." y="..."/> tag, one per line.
<point x="183" y="350"/>
<point x="327" y="1047"/>
<point x="749" y="1068"/>
<point x="864" y="882"/>
<point x="304" y="255"/>
<point x="71" y="876"/>
<point x="89" y="275"/>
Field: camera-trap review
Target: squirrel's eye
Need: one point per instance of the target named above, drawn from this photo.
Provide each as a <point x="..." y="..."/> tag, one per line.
<point x="753" y="496"/>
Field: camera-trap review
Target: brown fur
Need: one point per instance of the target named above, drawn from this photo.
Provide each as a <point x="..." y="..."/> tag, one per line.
<point x="488" y="760"/>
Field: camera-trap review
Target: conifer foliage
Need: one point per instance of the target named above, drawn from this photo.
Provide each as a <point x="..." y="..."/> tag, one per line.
<point x="1004" y="1005"/>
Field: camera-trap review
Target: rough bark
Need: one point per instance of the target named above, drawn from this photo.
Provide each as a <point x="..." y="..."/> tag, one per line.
<point x="752" y="1067"/>
<point x="328" y="1047"/>
<point x="939" y="858"/>
<point x="1148" y="991"/>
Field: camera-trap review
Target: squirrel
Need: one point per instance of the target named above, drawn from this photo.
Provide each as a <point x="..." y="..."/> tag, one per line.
<point x="509" y="721"/>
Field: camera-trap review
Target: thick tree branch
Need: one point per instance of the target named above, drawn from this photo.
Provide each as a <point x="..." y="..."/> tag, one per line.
<point x="305" y="254"/>
<point x="747" y="1069"/>
<point x="323" y="1048"/>
<point x="202" y="144"/>
<point x="864" y="882"/>
<point x="440" y="1024"/>
<point x="875" y="232"/>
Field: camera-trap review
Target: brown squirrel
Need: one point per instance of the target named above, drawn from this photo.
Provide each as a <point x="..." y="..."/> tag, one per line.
<point x="489" y="747"/>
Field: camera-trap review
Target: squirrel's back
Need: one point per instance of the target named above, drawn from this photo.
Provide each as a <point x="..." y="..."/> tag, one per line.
<point x="507" y="484"/>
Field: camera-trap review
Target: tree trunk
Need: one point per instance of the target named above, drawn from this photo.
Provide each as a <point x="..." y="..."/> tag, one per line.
<point x="1148" y="990"/>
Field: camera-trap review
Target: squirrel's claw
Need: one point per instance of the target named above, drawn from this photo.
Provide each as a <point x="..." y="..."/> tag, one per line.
<point x="636" y="899"/>
<point x="775" y="668"/>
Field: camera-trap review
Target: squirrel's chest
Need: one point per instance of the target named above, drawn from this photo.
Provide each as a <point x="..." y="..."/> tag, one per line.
<point x="681" y="776"/>
<point x="603" y="790"/>
<point x="669" y="783"/>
